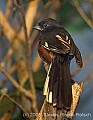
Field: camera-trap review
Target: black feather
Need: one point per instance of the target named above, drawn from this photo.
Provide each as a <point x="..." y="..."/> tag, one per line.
<point x="60" y="82"/>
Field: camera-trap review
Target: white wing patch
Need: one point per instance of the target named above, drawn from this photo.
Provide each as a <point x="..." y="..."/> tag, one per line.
<point x="46" y="44"/>
<point x="66" y="37"/>
<point x="67" y="40"/>
<point x="66" y="44"/>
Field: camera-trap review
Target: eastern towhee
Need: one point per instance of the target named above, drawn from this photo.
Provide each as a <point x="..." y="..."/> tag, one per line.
<point x="57" y="48"/>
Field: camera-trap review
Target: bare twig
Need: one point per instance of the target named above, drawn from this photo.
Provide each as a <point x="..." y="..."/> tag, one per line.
<point x="18" y="49"/>
<point x="30" y="18"/>
<point x="1" y="97"/>
<point x="82" y="13"/>
<point x="15" y="84"/>
<point x="88" y="59"/>
<point x="10" y="71"/>
<point x="29" y="67"/>
<point x="91" y="10"/>
<point x="42" y="15"/>
<point x="8" y="55"/>
<point x="8" y="31"/>
<point x="8" y="9"/>
<point x="15" y="102"/>
<point x="88" y="78"/>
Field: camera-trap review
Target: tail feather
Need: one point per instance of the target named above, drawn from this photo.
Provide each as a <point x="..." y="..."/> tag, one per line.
<point x="59" y="84"/>
<point x="55" y="80"/>
<point x="65" y="88"/>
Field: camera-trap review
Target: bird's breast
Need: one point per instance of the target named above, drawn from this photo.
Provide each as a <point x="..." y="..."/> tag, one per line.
<point x="46" y="55"/>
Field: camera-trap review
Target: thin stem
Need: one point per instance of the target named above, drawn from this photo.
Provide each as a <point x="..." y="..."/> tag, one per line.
<point x="15" y="102"/>
<point x="15" y="84"/>
<point x="88" y="78"/>
<point x="82" y="13"/>
<point x="8" y="9"/>
<point x="29" y="66"/>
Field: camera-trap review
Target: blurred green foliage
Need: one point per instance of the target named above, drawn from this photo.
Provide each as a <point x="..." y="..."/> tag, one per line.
<point x="5" y="106"/>
<point x="69" y="17"/>
<point x="45" y="1"/>
<point x="39" y="78"/>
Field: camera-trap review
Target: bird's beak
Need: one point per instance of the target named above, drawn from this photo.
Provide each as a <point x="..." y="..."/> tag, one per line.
<point x="37" y="27"/>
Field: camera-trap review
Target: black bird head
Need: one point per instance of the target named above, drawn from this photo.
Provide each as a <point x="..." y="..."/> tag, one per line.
<point x="46" y="23"/>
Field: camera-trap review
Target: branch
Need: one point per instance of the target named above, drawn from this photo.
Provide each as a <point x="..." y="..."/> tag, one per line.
<point x="15" y="102"/>
<point x="30" y="18"/>
<point x="48" y="112"/>
<point x="10" y="71"/>
<point x="29" y="67"/>
<point x="18" y="48"/>
<point x="82" y="13"/>
<point x="91" y="10"/>
<point x="8" y="9"/>
<point x="7" y="29"/>
<point x="1" y="97"/>
<point x="88" y="78"/>
<point x="8" y="55"/>
<point x="15" y="84"/>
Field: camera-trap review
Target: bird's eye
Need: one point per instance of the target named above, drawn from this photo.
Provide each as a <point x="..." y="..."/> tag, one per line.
<point x="45" y="25"/>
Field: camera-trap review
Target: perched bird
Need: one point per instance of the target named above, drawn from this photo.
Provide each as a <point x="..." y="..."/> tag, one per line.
<point x="56" y="47"/>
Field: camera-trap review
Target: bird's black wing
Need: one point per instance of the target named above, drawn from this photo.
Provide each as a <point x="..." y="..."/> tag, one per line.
<point x="74" y="51"/>
<point x="60" y="41"/>
<point x="55" y="42"/>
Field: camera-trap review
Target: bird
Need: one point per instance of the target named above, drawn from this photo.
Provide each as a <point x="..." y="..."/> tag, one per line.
<point x="57" y="48"/>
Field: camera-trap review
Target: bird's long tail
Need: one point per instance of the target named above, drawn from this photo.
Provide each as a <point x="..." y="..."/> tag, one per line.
<point x="57" y="87"/>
